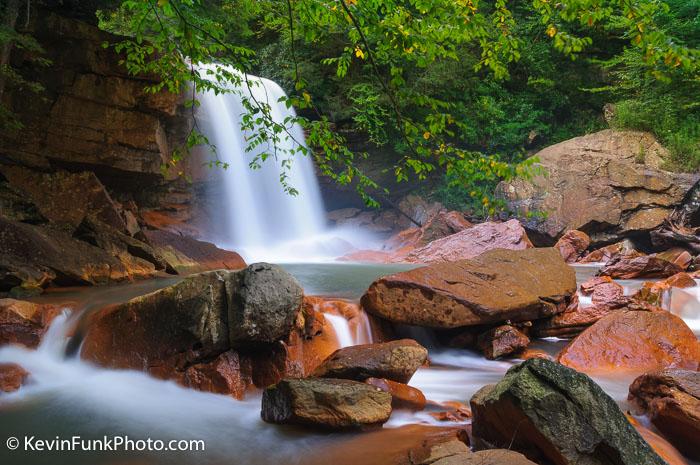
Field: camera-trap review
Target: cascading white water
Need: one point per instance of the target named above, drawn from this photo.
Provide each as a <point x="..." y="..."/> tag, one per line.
<point x="261" y="220"/>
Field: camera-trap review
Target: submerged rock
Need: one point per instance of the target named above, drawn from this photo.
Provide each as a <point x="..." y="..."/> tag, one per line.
<point x="328" y="403"/>
<point x="472" y="242"/>
<point x="23" y="322"/>
<point x="395" y="360"/>
<point x="671" y="399"/>
<point x="634" y="340"/>
<point x="572" y="245"/>
<point x="403" y="396"/>
<point x="497" y="286"/>
<point x="12" y="377"/>
<point x="552" y="413"/>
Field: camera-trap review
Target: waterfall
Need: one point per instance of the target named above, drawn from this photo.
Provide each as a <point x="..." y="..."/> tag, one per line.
<point x="258" y="216"/>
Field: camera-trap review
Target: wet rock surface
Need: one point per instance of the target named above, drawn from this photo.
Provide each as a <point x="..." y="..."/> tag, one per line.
<point x="497" y="286"/>
<point x="12" y="377"/>
<point x="671" y="399"/>
<point x="328" y="403"/>
<point x="403" y="396"/>
<point x="395" y="360"/>
<point x="24" y="323"/>
<point x="572" y="245"/>
<point x="502" y="340"/>
<point x="554" y="414"/>
<point x="636" y="341"/>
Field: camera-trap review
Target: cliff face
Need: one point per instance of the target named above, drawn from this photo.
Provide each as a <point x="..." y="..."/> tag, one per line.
<point x="82" y="191"/>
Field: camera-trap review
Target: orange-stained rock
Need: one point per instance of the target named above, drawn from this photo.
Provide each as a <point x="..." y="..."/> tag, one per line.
<point x="228" y="374"/>
<point x="403" y="396"/>
<point x="587" y="287"/>
<point x="472" y="242"/>
<point x="660" y="445"/>
<point x="186" y="254"/>
<point x="604" y="254"/>
<point x="680" y="257"/>
<point x="634" y="341"/>
<point x="497" y="286"/>
<point x="653" y="292"/>
<point x="12" y="377"/>
<point x="23" y="322"/>
<point x="570" y="322"/>
<point x="502" y="340"/>
<point x="527" y="354"/>
<point x="572" y="245"/>
<point x="455" y="411"/>
<point x="671" y="399"/>
<point x="395" y="360"/>
<point x="645" y="266"/>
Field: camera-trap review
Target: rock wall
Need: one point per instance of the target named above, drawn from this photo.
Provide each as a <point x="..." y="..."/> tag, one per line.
<point x="610" y="184"/>
<point x="82" y="188"/>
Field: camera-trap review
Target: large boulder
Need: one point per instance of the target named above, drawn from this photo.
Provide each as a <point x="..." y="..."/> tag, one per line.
<point x="607" y="184"/>
<point x="327" y="403"/>
<point x="191" y="322"/>
<point x="23" y="322"/>
<point x="497" y="286"/>
<point x="395" y="360"/>
<point x="636" y="341"/>
<point x="265" y="300"/>
<point x="671" y="399"/>
<point x="471" y="242"/>
<point x="554" y="414"/>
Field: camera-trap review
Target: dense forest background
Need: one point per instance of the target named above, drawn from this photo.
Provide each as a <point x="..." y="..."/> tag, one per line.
<point x="457" y="94"/>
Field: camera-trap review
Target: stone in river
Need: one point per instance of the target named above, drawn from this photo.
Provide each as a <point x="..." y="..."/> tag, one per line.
<point x="12" y="377"/>
<point x="637" y="341"/>
<point x="645" y="266"/>
<point x="326" y="403"/>
<point x="23" y="322"/>
<point x="403" y="396"/>
<point x="395" y="360"/>
<point x="671" y="399"/>
<point x="472" y="242"/>
<point x="556" y="415"/>
<point x="502" y="340"/>
<point x="572" y="245"/>
<point x="497" y="286"/>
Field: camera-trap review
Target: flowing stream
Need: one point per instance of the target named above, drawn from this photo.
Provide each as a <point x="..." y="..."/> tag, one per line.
<point x="66" y="396"/>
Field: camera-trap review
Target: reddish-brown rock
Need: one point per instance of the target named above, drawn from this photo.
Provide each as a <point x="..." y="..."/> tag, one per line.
<point x="497" y="286"/>
<point x="571" y="322"/>
<point x="64" y="198"/>
<point x="12" y="377"/>
<point x="23" y="322"/>
<point x="653" y="292"/>
<point x="671" y="399"/>
<point x="395" y="360"/>
<point x="186" y="254"/>
<point x="678" y="256"/>
<point x="228" y="374"/>
<point x="635" y="341"/>
<point x="472" y="242"/>
<point x="403" y="396"/>
<point x="572" y="245"/>
<point x="660" y="445"/>
<point x="502" y="340"/>
<point x="645" y="266"/>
